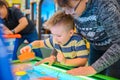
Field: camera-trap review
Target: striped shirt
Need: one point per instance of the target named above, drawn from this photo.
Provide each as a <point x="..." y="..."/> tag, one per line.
<point x="74" y="48"/>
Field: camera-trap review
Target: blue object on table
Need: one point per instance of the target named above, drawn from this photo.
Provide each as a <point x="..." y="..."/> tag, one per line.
<point x="24" y="77"/>
<point x="5" y="69"/>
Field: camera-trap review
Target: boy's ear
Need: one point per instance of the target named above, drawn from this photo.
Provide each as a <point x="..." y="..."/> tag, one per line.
<point x="46" y="25"/>
<point x="71" y="32"/>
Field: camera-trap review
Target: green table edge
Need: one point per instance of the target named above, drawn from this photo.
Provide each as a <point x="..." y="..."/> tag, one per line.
<point x="56" y="64"/>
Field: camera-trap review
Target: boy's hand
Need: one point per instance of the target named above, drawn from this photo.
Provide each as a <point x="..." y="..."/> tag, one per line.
<point x="82" y="71"/>
<point x="25" y="49"/>
<point x="61" y="58"/>
<point x="50" y="61"/>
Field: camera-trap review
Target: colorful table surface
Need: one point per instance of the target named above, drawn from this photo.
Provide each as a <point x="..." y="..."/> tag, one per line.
<point x="45" y="72"/>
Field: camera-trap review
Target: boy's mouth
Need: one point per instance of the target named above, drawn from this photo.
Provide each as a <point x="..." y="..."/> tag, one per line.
<point x="59" y="42"/>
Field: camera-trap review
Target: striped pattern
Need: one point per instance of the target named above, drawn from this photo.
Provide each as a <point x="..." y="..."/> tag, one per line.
<point x="75" y="47"/>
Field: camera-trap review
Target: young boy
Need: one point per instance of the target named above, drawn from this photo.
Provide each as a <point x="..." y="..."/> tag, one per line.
<point x="70" y="47"/>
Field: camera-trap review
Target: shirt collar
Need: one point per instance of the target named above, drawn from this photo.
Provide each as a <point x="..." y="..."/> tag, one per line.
<point x="88" y="4"/>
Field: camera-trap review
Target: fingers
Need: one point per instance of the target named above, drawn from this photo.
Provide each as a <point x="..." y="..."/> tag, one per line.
<point x="49" y="60"/>
<point x="50" y="63"/>
<point x="60" y="57"/>
<point x="52" y="59"/>
<point x="8" y="32"/>
<point x="40" y="62"/>
<point x="25" y="49"/>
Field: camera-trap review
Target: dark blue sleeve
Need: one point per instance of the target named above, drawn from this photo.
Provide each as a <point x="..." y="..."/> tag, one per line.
<point x="18" y="13"/>
<point x="1" y="21"/>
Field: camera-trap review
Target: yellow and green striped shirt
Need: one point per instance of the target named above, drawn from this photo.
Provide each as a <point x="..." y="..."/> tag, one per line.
<point x="74" y="48"/>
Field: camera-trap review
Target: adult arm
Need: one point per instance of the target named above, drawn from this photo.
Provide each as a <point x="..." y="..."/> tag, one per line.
<point x="110" y="18"/>
<point x="22" y="20"/>
<point x="22" y="24"/>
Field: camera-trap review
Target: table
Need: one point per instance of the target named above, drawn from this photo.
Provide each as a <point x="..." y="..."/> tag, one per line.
<point x="56" y="71"/>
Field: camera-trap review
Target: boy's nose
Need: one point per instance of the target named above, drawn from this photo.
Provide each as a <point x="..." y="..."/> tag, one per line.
<point x="55" y="39"/>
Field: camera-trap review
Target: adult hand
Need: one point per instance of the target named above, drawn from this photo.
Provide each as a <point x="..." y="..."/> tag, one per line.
<point x="25" y="49"/>
<point x="50" y="61"/>
<point x="7" y="31"/>
<point x="61" y="58"/>
<point x="83" y="71"/>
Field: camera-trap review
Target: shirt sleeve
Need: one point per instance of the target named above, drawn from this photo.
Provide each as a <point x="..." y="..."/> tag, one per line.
<point x="18" y="13"/>
<point x="49" y="43"/>
<point x="81" y="50"/>
<point x="110" y="18"/>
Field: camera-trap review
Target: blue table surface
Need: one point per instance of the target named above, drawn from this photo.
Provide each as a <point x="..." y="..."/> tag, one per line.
<point x="52" y="71"/>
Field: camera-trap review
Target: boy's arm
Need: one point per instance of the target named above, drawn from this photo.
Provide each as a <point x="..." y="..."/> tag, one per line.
<point x="75" y="62"/>
<point x="53" y="53"/>
<point x="37" y="44"/>
<point x="33" y="45"/>
<point x="71" y="62"/>
<point x="50" y="60"/>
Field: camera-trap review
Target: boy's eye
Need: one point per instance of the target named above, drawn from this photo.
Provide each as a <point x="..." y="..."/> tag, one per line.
<point x="56" y="35"/>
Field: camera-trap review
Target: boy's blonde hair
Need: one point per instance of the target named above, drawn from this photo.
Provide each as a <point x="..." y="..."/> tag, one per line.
<point x="60" y="17"/>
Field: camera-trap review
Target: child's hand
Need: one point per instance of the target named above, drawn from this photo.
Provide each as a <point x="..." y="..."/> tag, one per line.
<point x="25" y="49"/>
<point x="61" y="58"/>
<point x="50" y="60"/>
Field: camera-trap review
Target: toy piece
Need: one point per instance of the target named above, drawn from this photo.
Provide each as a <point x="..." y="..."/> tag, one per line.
<point x="26" y="56"/>
<point x="12" y="36"/>
<point x="20" y="73"/>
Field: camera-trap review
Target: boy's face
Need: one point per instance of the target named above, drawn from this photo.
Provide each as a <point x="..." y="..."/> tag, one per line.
<point x="60" y="34"/>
